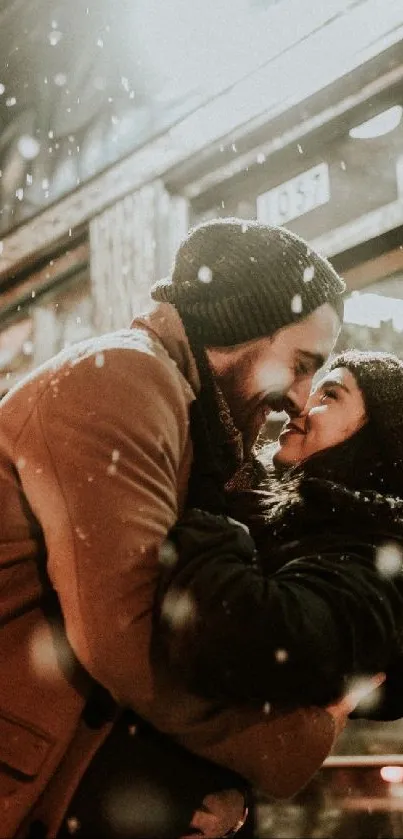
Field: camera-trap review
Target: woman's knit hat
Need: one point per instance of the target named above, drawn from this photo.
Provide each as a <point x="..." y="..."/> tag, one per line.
<point x="234" y="281"/>
<point x="379" y="376"/>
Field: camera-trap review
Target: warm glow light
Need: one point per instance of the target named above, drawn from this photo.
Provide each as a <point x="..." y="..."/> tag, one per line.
<point x="392" y="774"/>
<point x="378" y="126"/>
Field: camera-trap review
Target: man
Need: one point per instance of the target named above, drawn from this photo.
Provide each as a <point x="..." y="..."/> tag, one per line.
<point x="96" y="452"/>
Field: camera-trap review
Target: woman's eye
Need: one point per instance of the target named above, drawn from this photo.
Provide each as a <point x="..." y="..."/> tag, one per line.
<point x="328" y="393"/>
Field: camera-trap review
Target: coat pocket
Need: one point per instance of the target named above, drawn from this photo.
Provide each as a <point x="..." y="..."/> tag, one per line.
<point x="23" y="749"/>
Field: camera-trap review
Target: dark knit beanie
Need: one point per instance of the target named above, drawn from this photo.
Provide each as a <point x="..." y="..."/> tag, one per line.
<point x="379" y="376"/>
<point x="234" y="281"/>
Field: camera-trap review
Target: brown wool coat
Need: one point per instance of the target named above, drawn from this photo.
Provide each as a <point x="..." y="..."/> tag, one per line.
<point x="95" y="456"/>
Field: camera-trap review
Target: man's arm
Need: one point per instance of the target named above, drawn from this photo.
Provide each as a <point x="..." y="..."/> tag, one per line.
<point x="101" y="454"/>
<point x="297" y="637"/>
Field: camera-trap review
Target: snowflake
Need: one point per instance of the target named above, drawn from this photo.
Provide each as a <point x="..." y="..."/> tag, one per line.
<point x="296" y="304"/>
<point x="205" y="274"/>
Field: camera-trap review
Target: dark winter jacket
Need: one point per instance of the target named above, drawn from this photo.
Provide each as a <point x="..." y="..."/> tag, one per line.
<point x="319" y="605"/>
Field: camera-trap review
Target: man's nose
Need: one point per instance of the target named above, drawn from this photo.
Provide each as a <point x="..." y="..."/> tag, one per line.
<point x="290" y="407"/>
<point x="297" y="397"/>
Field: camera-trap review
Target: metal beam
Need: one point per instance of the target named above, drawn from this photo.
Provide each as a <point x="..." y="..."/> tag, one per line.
<point x="366" y="227"/>
<point x="298" y="131"/>
<point x="341" y="761"/>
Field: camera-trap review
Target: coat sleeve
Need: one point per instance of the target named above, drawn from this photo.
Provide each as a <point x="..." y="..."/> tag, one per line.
<point x="297" y="637"/>
<point x="101" y="455"/>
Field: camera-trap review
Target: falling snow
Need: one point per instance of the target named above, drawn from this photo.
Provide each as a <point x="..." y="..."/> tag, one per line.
<point x="167" y="555"/>
<point x="389" y="559"/>
<point x="28" y="347"/>
<point x="60" y="79"/>
<point x="131" y="809"/>
<point x="205" y="274"/>
<point x="54" y="37"/>
<point x="47" y="651"/>
<point x="281" y="656"/>
<point x="28" y="147"/>
<point x="73" y="824"/>
<point x="99" y="359"/>
<point x="309" y="273"/>
<point x="179" y="608"/>
<point x="296" y="304"/>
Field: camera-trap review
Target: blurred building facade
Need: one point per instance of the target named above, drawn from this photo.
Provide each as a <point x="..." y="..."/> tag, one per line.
<point x="308" y="132"/>
<point x="107" y="154"/>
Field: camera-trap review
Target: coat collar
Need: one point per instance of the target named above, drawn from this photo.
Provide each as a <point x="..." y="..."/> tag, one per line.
<point x="162" y="322"/>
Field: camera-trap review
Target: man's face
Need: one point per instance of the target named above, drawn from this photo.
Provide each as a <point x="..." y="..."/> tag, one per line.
<point x="274" y="373"/>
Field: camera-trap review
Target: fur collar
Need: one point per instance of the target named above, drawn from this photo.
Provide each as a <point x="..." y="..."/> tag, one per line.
<point x="316" y="514"/>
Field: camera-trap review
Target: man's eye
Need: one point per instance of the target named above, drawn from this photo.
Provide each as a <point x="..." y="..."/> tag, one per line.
<point x="302" y="369"/>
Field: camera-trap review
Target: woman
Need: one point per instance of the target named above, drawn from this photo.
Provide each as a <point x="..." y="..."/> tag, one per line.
<point x="321" y="603"/>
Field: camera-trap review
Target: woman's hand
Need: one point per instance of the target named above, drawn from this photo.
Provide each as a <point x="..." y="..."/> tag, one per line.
<point x="360" y="692"/>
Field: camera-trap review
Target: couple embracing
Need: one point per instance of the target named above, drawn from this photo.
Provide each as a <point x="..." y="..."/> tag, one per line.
<point x="203" y="609"/>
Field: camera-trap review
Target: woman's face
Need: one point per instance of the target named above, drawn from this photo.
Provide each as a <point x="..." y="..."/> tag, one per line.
<point x="334" y="412"/>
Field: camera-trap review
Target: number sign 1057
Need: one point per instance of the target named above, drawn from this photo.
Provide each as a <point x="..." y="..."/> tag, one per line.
<point x="295" y="197"/>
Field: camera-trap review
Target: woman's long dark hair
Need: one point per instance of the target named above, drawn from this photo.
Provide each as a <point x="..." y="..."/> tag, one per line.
<point x="357" y="463"/>
<point x="288" y="501"/>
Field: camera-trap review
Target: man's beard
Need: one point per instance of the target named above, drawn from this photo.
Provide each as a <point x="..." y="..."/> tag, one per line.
<point x="249" y="414"/>
<point x="252" y="424"/>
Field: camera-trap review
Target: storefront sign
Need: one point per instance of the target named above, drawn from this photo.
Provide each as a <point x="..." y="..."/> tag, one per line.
<point x="295" y="197"/>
